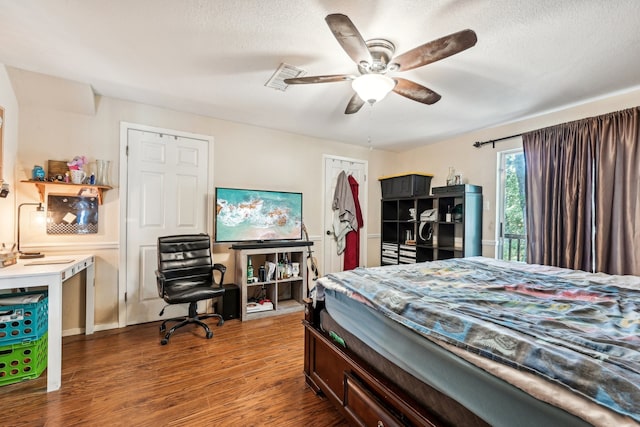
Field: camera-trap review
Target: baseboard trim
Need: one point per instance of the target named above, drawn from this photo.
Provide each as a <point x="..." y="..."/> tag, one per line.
<point x="97" y="328"/>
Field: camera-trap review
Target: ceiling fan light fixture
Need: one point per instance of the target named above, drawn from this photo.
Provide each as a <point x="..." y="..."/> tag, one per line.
<point x="373" y="88"/>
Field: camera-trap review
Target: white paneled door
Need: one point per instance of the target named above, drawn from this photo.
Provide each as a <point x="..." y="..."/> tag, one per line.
<point x="332" y="262"/>
<point x="167" y="180"/>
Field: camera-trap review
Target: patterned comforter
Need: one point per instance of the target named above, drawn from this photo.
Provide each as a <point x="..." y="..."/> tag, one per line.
<point x="578" y="329"/>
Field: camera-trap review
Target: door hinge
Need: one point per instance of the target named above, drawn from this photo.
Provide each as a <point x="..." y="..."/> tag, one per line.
<point x="126" y="151"/>
<point x="125" y="297"/>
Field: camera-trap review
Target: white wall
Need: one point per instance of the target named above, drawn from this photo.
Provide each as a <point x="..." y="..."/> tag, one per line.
<point x="10" y="147"/>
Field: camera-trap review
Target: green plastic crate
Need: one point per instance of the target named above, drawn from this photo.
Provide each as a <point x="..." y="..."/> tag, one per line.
<point x="20" y="362"/>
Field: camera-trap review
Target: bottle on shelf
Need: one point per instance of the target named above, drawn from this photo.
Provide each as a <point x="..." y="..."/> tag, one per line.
<point x="448" y="215"/>
<point x="249" y="270"/>
<point x="451" y="177"/>
<point x="285" y="267"/>
<point x="280" y="273"/>
<point x="289" y="268"/>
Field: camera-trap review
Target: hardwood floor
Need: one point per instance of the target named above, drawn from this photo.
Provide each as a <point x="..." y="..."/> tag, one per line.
<point x="248" y="374"/>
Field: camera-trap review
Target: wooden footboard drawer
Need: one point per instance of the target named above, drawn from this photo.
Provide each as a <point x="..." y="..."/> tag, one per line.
<point x="363" y="408"/>
<point x="324" y="367"/>
<point x="354" y="389"/>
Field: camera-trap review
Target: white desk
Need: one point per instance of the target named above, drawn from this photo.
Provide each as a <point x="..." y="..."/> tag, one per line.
<point x="24" y="275"/>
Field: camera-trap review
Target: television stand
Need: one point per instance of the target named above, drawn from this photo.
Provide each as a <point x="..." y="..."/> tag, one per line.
<point x="286" y="293"/>
<point x="271" y="244"/>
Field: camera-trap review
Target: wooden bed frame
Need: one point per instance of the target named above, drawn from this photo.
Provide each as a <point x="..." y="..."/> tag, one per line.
<point x="365" y="396"/>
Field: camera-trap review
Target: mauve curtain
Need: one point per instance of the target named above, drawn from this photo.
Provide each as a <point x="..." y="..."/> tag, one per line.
<point x="559" y="162"/>
<point x="572" y="168"/>
<point x="617" y="221"/>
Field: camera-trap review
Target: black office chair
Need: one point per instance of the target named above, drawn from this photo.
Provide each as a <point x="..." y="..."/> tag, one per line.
<point x="186" y="274"/>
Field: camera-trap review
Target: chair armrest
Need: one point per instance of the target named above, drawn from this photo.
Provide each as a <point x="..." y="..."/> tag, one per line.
<point x="160" y="281"/>
<point x="222" y="269"/>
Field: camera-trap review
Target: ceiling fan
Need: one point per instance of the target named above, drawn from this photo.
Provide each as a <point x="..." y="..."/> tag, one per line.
<point x="375" y="59"/>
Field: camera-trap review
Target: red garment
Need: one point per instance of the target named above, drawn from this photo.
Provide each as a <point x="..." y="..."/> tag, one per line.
<point x="352" y="249"/>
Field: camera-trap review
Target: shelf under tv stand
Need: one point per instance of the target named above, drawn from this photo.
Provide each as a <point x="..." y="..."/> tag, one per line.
<point x="286" y="294"/>
<point x="270" y="244"/>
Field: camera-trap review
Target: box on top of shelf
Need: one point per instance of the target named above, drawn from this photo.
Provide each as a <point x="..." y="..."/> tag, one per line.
<point x="23" y="317"/>
<point x="405" y="185"/>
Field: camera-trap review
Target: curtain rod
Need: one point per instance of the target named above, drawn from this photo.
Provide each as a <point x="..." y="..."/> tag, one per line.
<point x="493" y="141"/>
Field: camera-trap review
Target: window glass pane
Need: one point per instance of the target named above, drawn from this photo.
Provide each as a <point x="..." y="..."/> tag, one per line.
<point x="512" y="207"/>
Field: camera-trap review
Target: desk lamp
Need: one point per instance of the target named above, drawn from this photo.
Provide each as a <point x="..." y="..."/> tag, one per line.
<point x="28" y="255"/>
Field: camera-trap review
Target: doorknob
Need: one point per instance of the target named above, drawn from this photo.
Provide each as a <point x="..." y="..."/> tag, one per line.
<point x="329" y="232"/>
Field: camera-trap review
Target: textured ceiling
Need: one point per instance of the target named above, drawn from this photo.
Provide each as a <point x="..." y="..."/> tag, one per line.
<point x="213" y="57"/>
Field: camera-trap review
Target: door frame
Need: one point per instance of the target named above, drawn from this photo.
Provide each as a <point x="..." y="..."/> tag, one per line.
<point x="123" y="188"/>
<point x="363" y="193"/>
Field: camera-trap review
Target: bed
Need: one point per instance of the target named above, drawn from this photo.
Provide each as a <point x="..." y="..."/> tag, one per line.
<point x="476" y="341"/>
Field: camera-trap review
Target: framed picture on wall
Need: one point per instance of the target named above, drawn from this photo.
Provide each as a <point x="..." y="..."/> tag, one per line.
<point x="72" y="214"/>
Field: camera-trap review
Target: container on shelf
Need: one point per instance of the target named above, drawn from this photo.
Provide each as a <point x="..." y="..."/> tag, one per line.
<point x="405" y="185"/>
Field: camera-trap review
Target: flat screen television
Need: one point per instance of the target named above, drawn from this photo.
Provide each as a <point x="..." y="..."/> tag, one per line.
<point x="244" y="215"/>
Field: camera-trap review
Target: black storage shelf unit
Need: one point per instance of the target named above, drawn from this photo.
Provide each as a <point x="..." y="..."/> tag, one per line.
<point x="408" y="239"/>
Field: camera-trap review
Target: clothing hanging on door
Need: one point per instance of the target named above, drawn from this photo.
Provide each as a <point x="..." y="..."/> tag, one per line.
<point x="344" y="211"/>
<point x="352" y="240"/>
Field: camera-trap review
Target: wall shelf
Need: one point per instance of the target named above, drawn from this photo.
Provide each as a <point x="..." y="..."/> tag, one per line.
<point x="70" y="189"/>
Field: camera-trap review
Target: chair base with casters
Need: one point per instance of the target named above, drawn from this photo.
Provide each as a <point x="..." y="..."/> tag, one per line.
<point x="186" y="274"/>
<point x="192" y="318"/>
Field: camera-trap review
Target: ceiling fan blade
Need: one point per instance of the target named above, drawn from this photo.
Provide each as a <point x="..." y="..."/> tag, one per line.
<point x="414" y="91"/>
<point x="354" y="105"/>
<point x="436" y="50"/>
<point x="349" y="37"/>
<point x="319" y="79"/>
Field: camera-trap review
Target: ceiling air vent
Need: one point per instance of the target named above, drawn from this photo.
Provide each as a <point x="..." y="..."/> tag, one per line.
<point x="284" y="71"/>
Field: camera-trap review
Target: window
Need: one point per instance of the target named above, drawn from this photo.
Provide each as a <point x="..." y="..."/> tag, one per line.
<point x="511" y="207"/>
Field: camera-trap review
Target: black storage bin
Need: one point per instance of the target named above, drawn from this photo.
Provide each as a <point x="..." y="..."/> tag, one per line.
<point x="409" y="185"/>
<point x="231" y="302"/>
